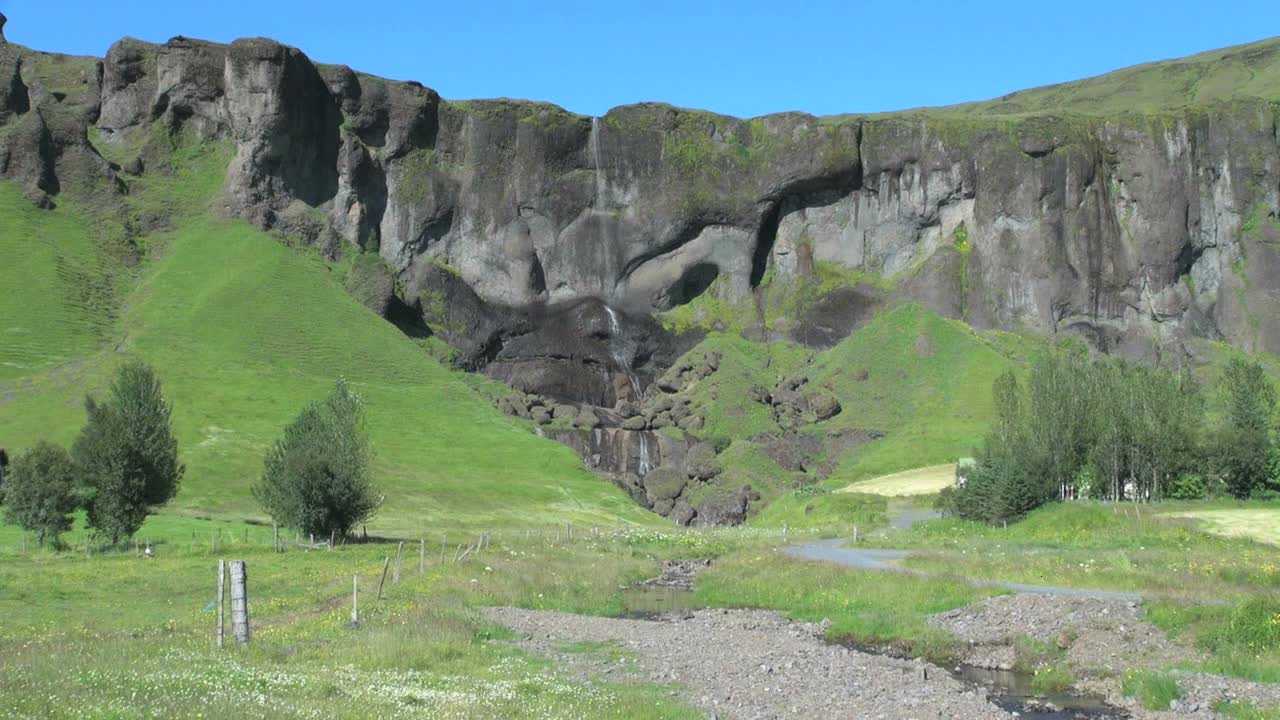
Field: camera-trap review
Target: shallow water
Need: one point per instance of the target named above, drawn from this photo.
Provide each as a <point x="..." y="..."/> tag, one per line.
<point x="645" y="603"/>
<point x="1012" y="691"/>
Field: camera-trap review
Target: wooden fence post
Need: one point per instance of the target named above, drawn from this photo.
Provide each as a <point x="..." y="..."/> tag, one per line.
<point x="239" y="601"/>
<point x="443" y="538"/>
<point x="275" y="537"/>
<point x="222" y="581"/>
<point x="395" y="577"/>
<point x="355" y="600"/>
<point x="422" y="556"/>
<point x="381" y="582"/>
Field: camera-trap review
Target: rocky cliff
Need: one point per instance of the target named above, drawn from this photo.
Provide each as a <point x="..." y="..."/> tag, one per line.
<point x="1137" y="210"/>
<point x="1134" y="226"/>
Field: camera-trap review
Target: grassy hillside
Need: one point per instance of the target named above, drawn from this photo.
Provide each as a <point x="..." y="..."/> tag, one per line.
<point x="922" y="379"/>
<point x="243" y="331"/>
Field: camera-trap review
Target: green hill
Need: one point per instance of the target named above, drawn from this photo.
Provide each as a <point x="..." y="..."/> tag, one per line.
<point x="243" y="331"/>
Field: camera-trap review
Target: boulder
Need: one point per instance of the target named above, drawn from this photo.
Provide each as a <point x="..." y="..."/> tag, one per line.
<point x="663" y="507"/>
<point x="679" y="411"/>
<point x="724" y="508"/>
<point x="627" y="409"/>
<point x="564" y="412"/>
<point x="824" y="405"/>
<point x="587" y="420"/>
<point x="664" y="483"/>
<point x="540" y="415"/>
<point x="701" y="463"/>
<point x="638" y="422"/>
<point x="693" y="422"/>
<point x="683" y="513"/>
<point x="661" y="421"/>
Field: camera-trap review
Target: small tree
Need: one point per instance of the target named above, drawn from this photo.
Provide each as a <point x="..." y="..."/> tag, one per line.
<point x="1245" y="443"/>
<point x="316" y="477"/>
<point x="128" y="453"/>
<point x="40" y="492"/>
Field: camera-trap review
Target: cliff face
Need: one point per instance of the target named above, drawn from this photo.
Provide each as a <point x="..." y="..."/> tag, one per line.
<point x="1137" y="225"/>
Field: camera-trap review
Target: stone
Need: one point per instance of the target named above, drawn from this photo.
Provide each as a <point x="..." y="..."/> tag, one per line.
<point x="724" y="508"/>
<point x="565" y="412"/>
<point x="823" y="405"/>
<point x="693" y="422"/>
<point x="679" y="411"/>
<point x="540" y="415"/>
<point x="135" y="166"/>
<point x="664" y="483"/>
<point x="587" y="420"/>
<point x="627" y="409"/>
<point x="662" y="420"/>
<point x="700" y="463"/>
<point x="638" y="422"/>
<point x="682" y="513"/>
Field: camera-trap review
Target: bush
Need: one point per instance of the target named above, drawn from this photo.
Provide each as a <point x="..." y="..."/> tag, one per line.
<point x="1188" y="487"/>
<point x="127" y="453"/>
<point x="40" y="492"/>
<point x="315" y="478"/>
<point x="1155" y="690"/>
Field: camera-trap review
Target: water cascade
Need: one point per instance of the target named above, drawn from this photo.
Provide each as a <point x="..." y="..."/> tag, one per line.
<point x="618" y="351"/>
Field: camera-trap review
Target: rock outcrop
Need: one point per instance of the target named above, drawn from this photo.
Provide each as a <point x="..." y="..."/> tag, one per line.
<point x="1134" y="231"/>
<point x="539" y="243"/>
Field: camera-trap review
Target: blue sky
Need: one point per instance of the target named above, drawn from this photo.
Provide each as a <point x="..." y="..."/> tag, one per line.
<point x="744" y="58"/>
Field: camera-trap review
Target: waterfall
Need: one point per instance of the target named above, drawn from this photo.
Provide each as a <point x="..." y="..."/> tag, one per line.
<point x="618" y="352"/>
<point x="601" y="190"/>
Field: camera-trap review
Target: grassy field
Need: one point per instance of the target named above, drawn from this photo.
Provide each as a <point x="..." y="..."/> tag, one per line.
<point x="1218" y="591"/>
<point x="422" y="651"/>
<point x="1259" y="524"/>
<point x="920" y="481"/>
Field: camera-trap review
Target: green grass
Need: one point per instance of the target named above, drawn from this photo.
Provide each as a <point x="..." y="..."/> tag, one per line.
<point x="1245" y="710"/>
<point x="933" y="404"/>
<point x="869" y="608"/>
<point x="244" y="331"/>
<point x="55" y="301"/>
<point x="421" y="651"/>
<point x="1241" y="73"/>
<point x="1155" y="690"/>
<point x="815" y="508"/>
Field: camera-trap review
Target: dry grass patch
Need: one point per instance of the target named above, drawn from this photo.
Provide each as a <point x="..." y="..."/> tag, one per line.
<point x="920" y="481"/>
<point x="1260" y="524"/>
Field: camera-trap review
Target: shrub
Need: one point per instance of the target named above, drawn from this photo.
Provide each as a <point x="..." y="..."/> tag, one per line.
<point x="127" y="453"/>
<point x="316" y="477"/>
<point x="40" y="492"/>
<point x="1188" y="487"/>
<point x="1155" y="690"/>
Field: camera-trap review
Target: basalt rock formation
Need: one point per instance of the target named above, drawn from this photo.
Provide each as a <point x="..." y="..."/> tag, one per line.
<point x="539" y="242"/>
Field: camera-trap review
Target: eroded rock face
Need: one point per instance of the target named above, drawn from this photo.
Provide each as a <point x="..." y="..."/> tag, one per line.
<point x="1126" y="232"/>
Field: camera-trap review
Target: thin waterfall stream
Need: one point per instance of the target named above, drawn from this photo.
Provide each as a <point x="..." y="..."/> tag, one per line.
<point x="618" y="351"/>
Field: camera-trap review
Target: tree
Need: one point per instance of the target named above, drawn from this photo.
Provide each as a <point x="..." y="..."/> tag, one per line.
<point x="1245" y="442"/>
<point x="128" y="453"/>
<point x="40" y="492"/>
<point x="316" y="477"/>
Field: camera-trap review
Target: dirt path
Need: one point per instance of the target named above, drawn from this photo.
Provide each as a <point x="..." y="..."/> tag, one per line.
<point x="750" y="665"/>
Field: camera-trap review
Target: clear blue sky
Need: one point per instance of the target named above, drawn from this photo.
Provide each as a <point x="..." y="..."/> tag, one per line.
<point x="744" y="58"/>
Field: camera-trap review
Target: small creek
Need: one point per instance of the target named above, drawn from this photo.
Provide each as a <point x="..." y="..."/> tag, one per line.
<point x="1010" y="690"/>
